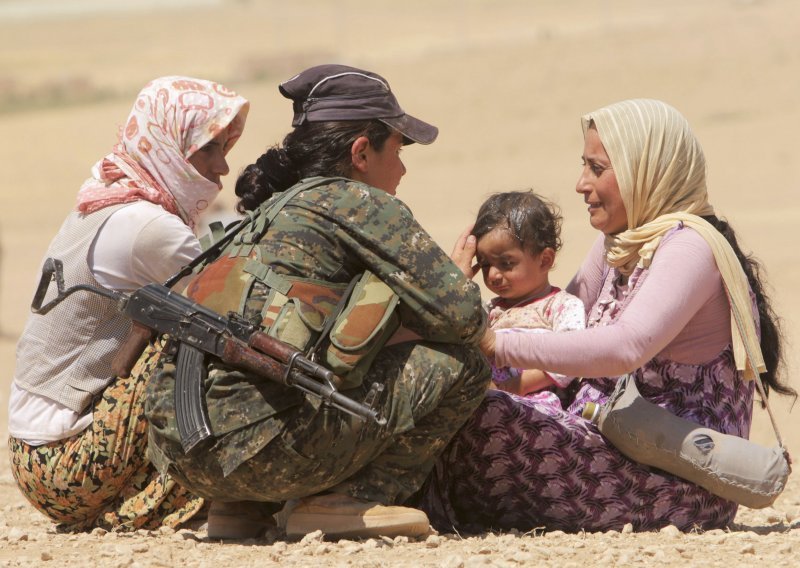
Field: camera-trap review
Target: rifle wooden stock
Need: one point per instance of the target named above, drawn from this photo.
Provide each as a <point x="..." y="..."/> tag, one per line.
<point x="284" y="352"/>
<point x="240" y="355"/>
<point x="269" y="346"/>
<point x="138" y="338"/>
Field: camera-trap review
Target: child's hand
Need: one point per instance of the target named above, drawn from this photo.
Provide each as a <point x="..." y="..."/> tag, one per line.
<point x="505" y="379"/>
<point x="510" y="386"/>
<point x="526" y="382"/>
<point x="534" y="380"/>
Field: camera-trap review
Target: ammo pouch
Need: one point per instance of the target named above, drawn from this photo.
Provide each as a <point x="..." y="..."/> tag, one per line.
<point x="361" y="329"/>
<point x="347" y="344"/>
<point x="727" y="466"/>
<point x="342" y="331"/>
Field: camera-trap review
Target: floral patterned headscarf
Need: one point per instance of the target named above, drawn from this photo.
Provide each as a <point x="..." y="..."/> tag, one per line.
<point x="172" y="118"/>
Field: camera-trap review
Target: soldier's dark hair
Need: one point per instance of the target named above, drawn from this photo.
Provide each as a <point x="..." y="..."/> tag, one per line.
<point x="311" y="149"/>
<point x="531" y="219"/>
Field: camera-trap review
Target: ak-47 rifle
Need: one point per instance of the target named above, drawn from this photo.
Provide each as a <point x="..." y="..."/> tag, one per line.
<point x="156" y="309"/>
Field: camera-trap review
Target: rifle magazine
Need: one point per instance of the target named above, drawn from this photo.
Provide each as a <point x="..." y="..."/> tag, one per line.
<point x="190" y="409"/>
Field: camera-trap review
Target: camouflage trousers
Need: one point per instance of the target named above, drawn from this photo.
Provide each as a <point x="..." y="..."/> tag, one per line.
<point x="101" y="477"/>
<point x="430" y="391"/>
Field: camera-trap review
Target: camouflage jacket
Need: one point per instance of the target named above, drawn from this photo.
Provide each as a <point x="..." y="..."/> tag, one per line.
<point x="333" y="232"/>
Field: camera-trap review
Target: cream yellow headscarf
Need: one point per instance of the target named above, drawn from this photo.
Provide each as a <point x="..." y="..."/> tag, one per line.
<point x="661" y="173"/>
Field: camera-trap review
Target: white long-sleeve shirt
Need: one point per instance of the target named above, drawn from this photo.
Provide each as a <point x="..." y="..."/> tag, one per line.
<point x="139" y="244"/>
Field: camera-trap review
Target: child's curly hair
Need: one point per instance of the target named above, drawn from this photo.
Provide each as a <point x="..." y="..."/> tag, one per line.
<point x="534" y="221"/>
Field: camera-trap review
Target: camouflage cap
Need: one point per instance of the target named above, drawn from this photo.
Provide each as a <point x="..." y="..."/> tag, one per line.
<point x="339" y="92"/>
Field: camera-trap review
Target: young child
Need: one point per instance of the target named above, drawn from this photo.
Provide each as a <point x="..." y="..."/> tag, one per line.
<point x="518" y="236"/>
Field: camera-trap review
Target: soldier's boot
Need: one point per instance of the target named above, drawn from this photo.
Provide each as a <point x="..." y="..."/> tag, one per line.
<point x="238" y="519"/>
<point x="341" y="516"/>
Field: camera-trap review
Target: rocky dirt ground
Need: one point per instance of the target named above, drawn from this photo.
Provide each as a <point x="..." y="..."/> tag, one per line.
<point x="506" y="83"/>
<point x="766" y="537"/>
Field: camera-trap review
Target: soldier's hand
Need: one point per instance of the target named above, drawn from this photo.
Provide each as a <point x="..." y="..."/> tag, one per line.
<point x="464" y="253"/>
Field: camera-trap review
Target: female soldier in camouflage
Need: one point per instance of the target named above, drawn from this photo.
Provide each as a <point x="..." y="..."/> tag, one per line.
<point x="272" y="444"/>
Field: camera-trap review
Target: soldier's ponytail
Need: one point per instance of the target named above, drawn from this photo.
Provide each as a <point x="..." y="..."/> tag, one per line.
<point x="312" y="149"/>
<point x="273" y="172"/>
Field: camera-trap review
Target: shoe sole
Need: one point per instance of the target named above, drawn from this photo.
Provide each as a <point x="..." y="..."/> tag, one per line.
<point x="348" y="526"/>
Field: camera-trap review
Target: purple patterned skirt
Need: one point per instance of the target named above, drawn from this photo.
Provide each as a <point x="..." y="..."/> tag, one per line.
<point x="525" y="463"/>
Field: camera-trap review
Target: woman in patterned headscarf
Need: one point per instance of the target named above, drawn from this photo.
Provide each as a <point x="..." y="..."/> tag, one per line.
<point x="78" y="433"/>
<point x="670" y="299"/>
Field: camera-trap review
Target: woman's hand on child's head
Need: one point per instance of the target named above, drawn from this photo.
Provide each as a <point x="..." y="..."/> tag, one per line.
<point x="463" y="253"/>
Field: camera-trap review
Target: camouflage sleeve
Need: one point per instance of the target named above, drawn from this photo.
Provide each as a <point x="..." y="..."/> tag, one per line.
<point x="437" y="301"/>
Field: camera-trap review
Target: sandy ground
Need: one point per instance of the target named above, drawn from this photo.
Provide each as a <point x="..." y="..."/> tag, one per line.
<point x="506" y="82"/>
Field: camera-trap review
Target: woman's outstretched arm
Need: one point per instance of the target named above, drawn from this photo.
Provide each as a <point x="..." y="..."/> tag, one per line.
<point x="683" y="280"/>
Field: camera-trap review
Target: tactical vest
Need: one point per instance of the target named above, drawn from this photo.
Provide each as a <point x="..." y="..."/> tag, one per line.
<point x="340" y="326"/>
<point x="66" y="355"/>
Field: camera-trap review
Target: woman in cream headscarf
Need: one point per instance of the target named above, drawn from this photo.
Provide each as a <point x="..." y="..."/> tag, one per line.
<point x="670" y="299"/>
<point x="78" y="433"/>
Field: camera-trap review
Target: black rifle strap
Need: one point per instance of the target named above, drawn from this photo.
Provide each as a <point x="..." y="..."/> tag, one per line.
<point x="211" y="252"/>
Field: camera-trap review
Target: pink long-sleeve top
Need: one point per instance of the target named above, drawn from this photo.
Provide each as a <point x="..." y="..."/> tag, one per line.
<point x="679" y="311"/>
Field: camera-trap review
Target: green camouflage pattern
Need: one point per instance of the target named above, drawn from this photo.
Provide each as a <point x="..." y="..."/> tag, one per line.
<point x="337" y="231"/>
<point x="221" y="285"/>
<point x="431" y="389"/>
<point x="363" y="327"/>
<point x="371" y="305"/>
<point x="273" y="443"/>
